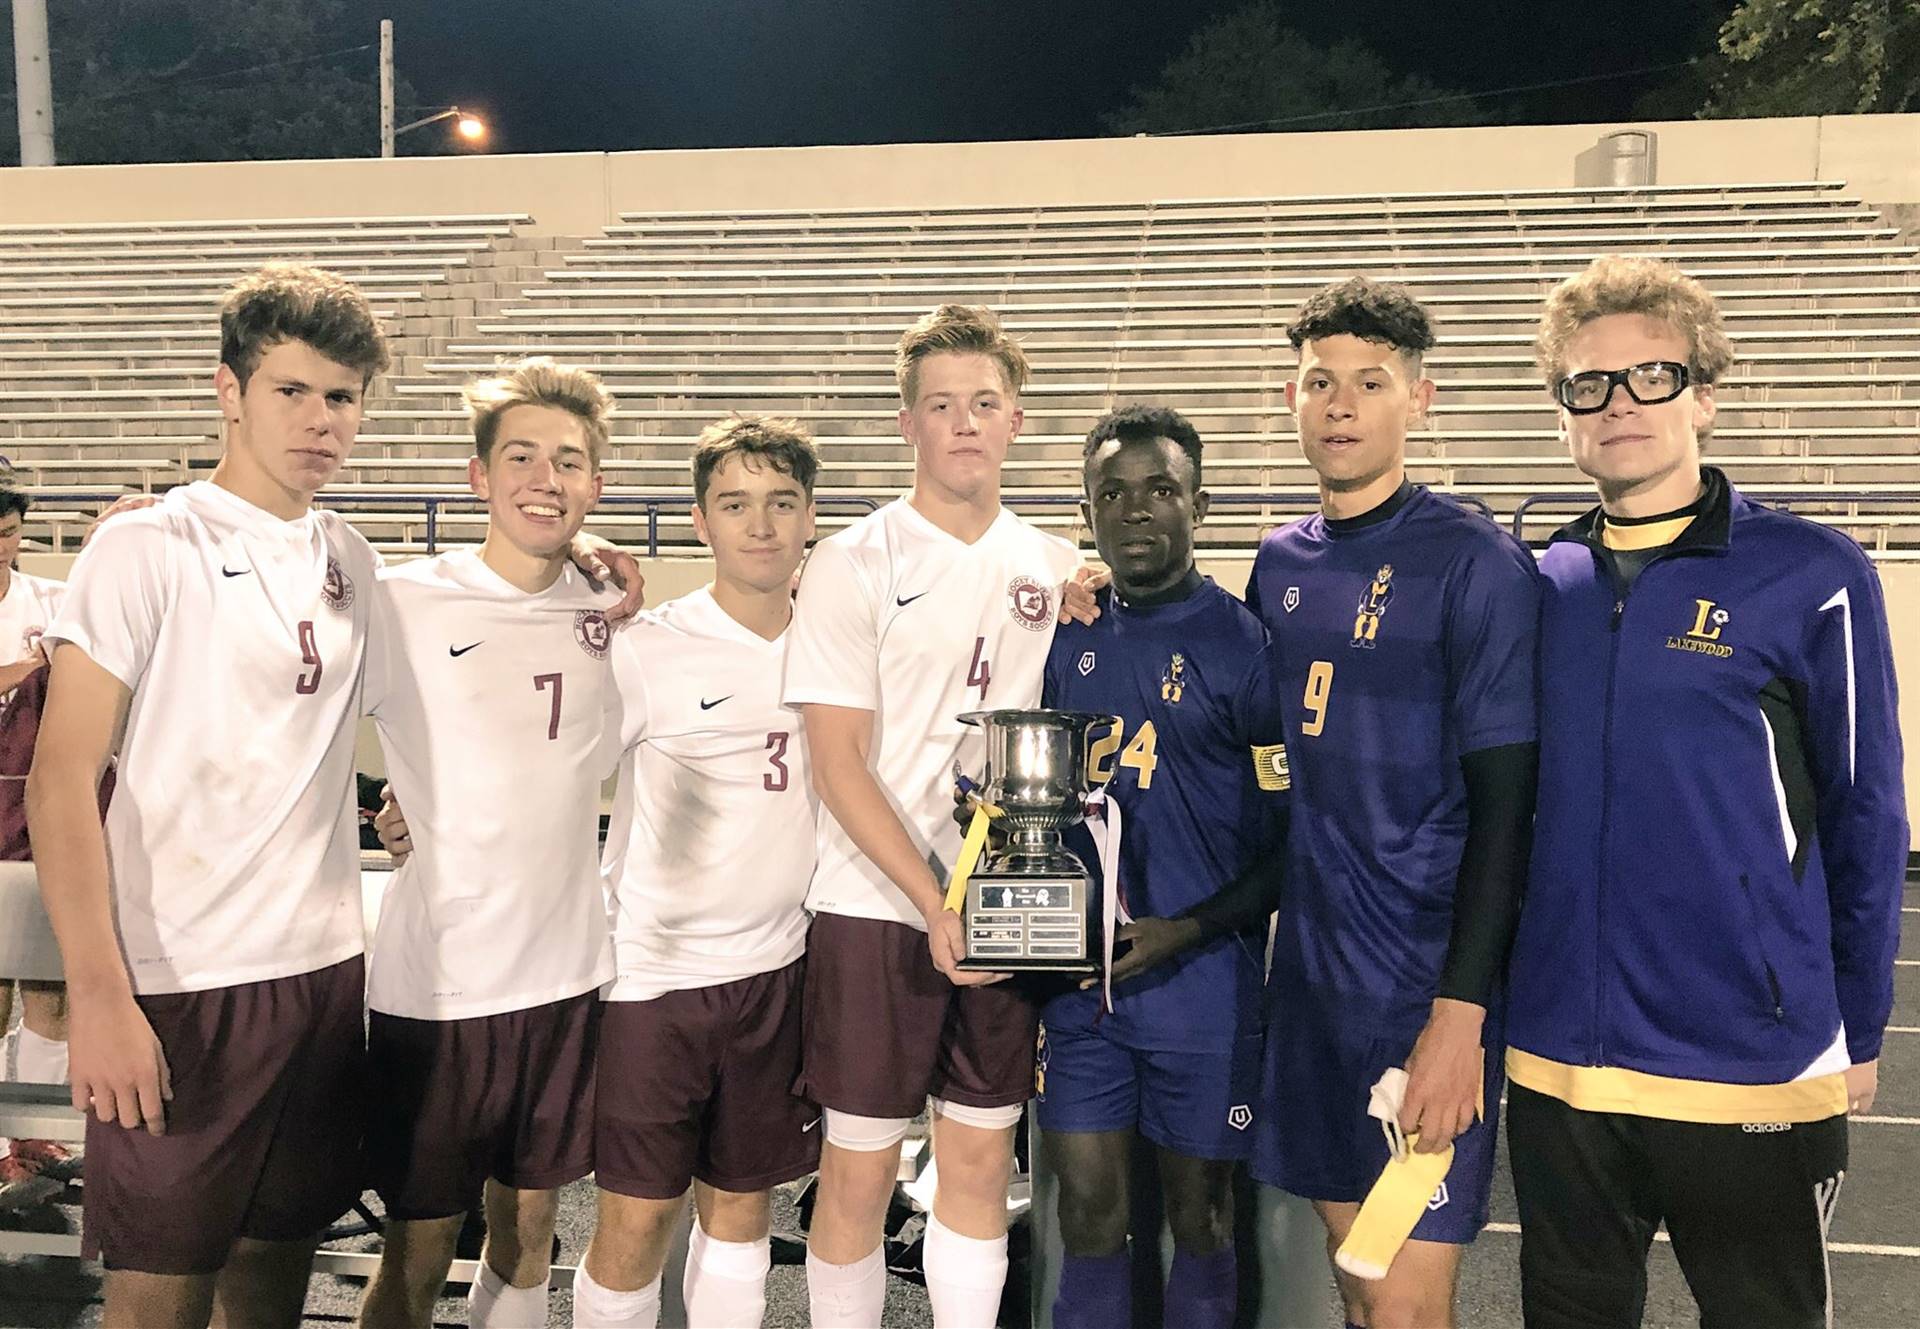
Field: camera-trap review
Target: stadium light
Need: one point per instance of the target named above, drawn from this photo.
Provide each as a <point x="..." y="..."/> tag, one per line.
<point x="468" y="125"/>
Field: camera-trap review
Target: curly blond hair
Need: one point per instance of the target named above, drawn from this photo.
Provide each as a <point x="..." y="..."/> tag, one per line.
<point x="1615" y="284"/>
<point x="539" y="381"/>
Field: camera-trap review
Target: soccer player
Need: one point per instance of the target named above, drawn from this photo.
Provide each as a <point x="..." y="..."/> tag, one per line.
<point x="1198" y="771"/>
<point x="489" y="681"/>
<point x="939" y="603"/>
<point x="36" y="1051"/>
<point x="214" y="969"/>
<point x="1405" y="628"/>
<point x="708" y="859"/>
<point x="1704" y="965"/>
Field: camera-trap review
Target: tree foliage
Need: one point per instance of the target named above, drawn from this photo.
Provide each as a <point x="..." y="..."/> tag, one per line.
<point x="1247" y="70"/>
<point x="207" y="80"/>
<point x="1819" y="57"/>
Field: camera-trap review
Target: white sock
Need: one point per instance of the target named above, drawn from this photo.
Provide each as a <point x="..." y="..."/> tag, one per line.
<point x="847" y="1296"/>
<point x="494" y="1303"/>
<point x="41" y="1060"/>
<point x="726" y="1281"/>
<point x="965" y="1276"/>
<point x="599" y="1307"/>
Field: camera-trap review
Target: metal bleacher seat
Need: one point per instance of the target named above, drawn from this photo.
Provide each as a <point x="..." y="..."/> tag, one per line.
<point x="691" y="314"/>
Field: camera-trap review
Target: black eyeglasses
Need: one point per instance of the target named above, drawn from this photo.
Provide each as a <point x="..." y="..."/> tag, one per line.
<point x="1649" y="384"/>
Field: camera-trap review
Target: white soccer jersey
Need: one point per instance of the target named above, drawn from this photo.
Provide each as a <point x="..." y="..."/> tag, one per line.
<point x="899" y="618"/>
<point x="25" y="611"/>
<point x="711" y="844"/>
<point x="492" y="707"/>
<point x="231" y="836"/>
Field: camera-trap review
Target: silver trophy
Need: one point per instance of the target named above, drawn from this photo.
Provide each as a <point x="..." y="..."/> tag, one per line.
<point x="1028" y="903"/>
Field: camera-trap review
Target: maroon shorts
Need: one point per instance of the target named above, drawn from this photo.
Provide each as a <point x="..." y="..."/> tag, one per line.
<point x="506" y="1096"/>
<point x="884" y="1028"/>
<point x="263" y="1133"/>
<point x="698" y="1083"/>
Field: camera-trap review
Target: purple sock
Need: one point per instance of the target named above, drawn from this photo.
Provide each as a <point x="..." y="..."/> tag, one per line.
<point x="1096" y="1292"/>
<point x="1201" y="1290"/>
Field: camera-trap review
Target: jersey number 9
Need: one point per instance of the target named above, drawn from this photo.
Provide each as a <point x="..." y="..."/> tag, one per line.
<point x="1319" y="688"/>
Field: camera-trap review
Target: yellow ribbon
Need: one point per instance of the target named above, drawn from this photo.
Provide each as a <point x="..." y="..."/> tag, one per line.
<point x="970" y="849"/>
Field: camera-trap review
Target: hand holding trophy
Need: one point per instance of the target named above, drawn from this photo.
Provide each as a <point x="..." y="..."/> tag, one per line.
<point x="1025" y="904"/>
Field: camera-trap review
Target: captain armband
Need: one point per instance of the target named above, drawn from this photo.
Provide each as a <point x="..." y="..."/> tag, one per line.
<point x="1270" y="766"/>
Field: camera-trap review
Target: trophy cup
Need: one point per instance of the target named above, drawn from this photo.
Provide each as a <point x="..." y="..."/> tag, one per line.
<point x="1027" y="904"/>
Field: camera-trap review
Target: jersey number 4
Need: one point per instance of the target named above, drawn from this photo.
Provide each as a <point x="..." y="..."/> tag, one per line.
<point x="979" y="673"/>
<point x="1140" y="754"/>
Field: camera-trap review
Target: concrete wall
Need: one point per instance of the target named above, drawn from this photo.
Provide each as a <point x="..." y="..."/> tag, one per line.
<point x="1878" y="157"/>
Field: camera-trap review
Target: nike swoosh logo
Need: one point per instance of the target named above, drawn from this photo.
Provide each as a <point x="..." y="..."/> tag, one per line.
<point x="810" y="1125"/>
<point x="457" y="651"/>
<point x="709" y="705"/>
<point x="909" y="600"/>
<point x="226" y="571"/>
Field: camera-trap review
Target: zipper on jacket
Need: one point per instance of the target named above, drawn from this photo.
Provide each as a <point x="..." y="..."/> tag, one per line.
<point x="1606" y="826"/>
<point x="1621" y="590"/>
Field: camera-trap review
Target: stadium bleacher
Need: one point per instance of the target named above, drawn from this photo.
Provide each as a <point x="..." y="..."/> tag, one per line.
<point x="106" y="338"/>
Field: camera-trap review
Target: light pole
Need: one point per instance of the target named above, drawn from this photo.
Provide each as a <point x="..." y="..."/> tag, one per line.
<point x="386" y="87"/>
<point x="33" y="82"/>
<point x="469" y="125"/>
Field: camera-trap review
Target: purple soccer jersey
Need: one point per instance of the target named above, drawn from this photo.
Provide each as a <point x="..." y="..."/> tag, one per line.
<point x="1192" y="683"/>
<point x="1400" y="644"/>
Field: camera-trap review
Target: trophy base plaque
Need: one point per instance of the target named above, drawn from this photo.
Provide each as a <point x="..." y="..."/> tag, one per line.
<point x="1023" y="923"/>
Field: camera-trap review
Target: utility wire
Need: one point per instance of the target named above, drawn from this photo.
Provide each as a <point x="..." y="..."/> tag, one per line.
<point x="161" y="85"/>
<point x="1422" y="101"/>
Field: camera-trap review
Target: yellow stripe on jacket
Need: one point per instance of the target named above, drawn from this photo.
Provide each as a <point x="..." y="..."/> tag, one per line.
<point x="1617" y="1089"/>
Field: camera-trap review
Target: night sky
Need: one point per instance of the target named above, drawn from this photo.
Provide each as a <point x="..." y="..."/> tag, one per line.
<point x="570" y="75"/>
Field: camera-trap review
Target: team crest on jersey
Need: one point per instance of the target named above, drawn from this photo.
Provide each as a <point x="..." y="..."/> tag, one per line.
<point x="1291" y="601"/>
<point x="1030" y="603"/>
<point x="1086" y="663"/>
<point x="1373" y="603"/>
<point x="1239" y="1116"/>
<point x="593" y="632"/>
<point x="1440" y="1198"/>
<point x="337" y="589"/>
<point x="1703" y="638"/>
<point x="1173" y="679"/>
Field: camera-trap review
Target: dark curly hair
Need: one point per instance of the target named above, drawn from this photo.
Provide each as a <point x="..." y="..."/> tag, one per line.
<point x="1143" y="424"/>
<point x="1370" y="310"/>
